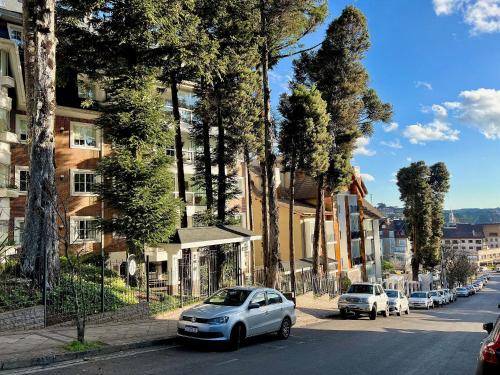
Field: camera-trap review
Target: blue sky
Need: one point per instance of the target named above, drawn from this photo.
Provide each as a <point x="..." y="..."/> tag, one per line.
<point x="438" y="63"/>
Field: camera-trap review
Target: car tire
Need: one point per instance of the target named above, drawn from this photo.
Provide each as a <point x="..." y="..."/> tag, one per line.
<point x="343" y="314"/>
<point x="398" y="312"/>
<point x="286" y="327"/>
<point x="237" y="337"/>
<point x="407" y="312"/>
<point x="373" y="313"/>
<point x="356" y="315"/>
<point x="428" y="307"/>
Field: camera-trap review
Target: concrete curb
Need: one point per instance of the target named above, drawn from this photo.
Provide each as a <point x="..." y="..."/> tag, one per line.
<point x="55" y="358"/>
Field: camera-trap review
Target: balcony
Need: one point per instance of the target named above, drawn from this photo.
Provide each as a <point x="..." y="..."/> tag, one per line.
<point x="186" y="114"/>
<point x="8" y="137"/>
<point x="8" y="189"/>
<point x="194" y="199"/>
<point x="187" y="155"/>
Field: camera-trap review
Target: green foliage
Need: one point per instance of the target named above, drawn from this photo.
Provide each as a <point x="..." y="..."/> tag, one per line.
<point x="77" y="346"/>
<point x="304" y="140"/>
<point x="439" y="181"/>
<point x="136" y="179"/>
<point x="345" y="283"/>
<point x="458" y="268"/>
<point x="387" y="266"/>
<point x="18" y="296"/>
<point x="337" y="70"/>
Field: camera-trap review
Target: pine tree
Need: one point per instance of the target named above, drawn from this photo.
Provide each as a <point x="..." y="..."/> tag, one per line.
<point x="282" y="24"/>
<point x="439" y="181"/>
<point x="416" y="195"/>
<point x="303" y="142"/>
<point x="337" y="70"/>
<point x="40" y="238"/>
<point x="136" y="177"/>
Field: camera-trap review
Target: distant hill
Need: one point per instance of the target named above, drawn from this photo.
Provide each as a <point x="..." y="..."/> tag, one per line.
<point x="462" y="215"/>
<point x="475" y="215"/>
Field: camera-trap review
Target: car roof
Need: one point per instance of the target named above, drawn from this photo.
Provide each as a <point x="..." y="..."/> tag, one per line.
<point x="391" y="290"/>
<point x="364" y="283"/>
<point x="252" y="288"/>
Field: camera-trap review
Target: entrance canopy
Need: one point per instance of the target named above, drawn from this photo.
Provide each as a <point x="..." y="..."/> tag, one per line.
<point x="189" y="238"/>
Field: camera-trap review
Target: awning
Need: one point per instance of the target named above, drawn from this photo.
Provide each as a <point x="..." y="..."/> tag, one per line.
<point x="189" y="238"/>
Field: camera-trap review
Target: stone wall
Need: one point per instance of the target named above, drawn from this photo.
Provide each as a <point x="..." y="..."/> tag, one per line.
<point x="23" y="319"/>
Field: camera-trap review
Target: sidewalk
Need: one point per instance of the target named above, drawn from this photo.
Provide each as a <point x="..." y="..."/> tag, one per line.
<point x="37" y="347"/>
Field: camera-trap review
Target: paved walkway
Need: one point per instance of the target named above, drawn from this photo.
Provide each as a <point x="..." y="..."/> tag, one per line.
<point x="19" y="346"/>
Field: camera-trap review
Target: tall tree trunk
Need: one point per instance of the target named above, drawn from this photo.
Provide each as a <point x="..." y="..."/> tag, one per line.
<point x="274" y="250"/>
<point x="265" y="222"/>
<point x="317" y="227"/>
<point x="324" y="250"/>
<point x="41" y="234"/>
<point x="250" y="214"/>
<point x="221" y="164"/>
<point x="207" y="155"/>
<point x="178" y="146"/>
<point x="290" y="226"/>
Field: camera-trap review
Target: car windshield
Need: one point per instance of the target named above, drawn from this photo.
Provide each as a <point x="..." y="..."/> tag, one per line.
<point x="360" y="288"/>
<point x="229" y="297"/>
<point x="433" y="293"/>
<point x="418" y="295"/>
<point x="391" y="293"/>
<point x="461" y="289"/>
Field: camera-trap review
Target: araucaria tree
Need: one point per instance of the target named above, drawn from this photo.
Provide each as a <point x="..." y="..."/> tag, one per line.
<point x="338" y="72"/>
<point x="304" y="143"/>
<point x="282" y="24"/>
<point x="40" y="242"/>
<point x="422" y="191"/>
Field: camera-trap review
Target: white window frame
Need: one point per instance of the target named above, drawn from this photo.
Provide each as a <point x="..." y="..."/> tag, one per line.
<point x="73" y="236"/>
<point x="19" y="118"/>
<point x="18" y="170"/>
<point x="17" y="233"/>
<point x="73" y="124"/>
<point x="82" y="193"/>
<point x="11" y="27"/>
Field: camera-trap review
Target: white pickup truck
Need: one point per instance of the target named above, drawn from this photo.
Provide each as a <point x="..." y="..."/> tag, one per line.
<point x="364" y="298"/>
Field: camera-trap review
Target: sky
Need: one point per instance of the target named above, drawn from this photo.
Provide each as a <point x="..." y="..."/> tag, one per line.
<point x="438" y="63"/>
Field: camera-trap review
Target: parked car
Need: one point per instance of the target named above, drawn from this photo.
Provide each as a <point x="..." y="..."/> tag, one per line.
<point x="233" y="314"/>
<point x="471" y="289"/>
<point x="398" y="302"/>
<point x="475" y="287"/>
<point x="463" y="292"/>
<point x="489" y="354"/>
<point x="478" y="284"/>
<point x="421" y="300"/>
<point x="364" y="298"/>
<point x="445" y="296"/>
<point x="452" y="294"/>
<point x="437" y="298"/>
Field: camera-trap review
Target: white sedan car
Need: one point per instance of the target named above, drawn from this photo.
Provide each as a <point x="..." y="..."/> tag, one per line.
<point x="398" y="302"/>
<point x="421" y="300"/>
<point x="364" y="298"/>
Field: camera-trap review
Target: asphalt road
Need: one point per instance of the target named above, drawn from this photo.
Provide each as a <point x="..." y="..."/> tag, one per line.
<point x="440" y="341"/>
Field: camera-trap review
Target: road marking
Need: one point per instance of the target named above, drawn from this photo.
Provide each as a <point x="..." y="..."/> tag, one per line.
<point x="76" y="362"/>
<point x="228" y="361"/>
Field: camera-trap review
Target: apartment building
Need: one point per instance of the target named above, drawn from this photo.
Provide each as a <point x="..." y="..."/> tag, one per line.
<point x="395" y="244"/>
<point x="351" y="227"/>
<point x="79" y="145"/>
<point x="465" y="238"/>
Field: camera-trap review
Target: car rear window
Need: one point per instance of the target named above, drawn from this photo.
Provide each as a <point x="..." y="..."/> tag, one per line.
<point x="361" y="288"/>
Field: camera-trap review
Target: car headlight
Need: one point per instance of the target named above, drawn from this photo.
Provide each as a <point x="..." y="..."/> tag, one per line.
<point x="364" y="300"/>
<point x="218" y="320"/>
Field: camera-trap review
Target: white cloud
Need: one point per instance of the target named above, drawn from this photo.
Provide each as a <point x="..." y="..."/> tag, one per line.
<point x="425" y="85"/>
<point x="439" y="110"/>
<point x="392" y="144"/>
<point x="390" y="127"/>
<point x="482" y="15"/>
<point x="362" y="147"/>
<point x="367" y="177"/>
<point x="408" y="159"/>
<point x="480" y="109"/>
<point x="437" y="130"/>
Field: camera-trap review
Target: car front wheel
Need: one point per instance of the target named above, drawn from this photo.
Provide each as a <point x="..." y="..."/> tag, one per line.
<point x="386" y="312"/>
<point x="286" y="326"/>
<point x="373" y="313"/>
<point x="237" y="336"/>
<point x="399" y="311"/>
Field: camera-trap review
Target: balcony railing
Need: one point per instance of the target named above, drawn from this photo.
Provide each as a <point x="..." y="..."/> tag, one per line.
<point x="194" y="199"/>
<point x="6" y="182"/>
<point x="187" y="155"/>
<point x="186" y="114"/>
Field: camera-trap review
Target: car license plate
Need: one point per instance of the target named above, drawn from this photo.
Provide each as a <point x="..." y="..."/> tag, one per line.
<point x="191" y="329"/>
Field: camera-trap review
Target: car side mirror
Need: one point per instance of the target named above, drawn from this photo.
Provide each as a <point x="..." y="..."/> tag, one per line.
<point x="252" y="306"/>
<point x="488" y="327"/>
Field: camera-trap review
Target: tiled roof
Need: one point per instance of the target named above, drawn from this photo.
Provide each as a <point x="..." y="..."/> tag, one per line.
<point x="464" y="231"/>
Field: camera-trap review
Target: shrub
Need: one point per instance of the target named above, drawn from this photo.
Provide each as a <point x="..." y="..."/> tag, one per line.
<point x="345" y="283"/>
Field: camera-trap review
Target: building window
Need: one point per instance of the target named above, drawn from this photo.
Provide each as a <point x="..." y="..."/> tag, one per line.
<point x="4" y="231"/>
<point x="84" y="229"/>
<point x="16" y="34"/>
<point x="85" y="136"/>
<point x="22" y="128"/>
<point x="18" y="230"/>
<point x="22" y="179"/>
<point x="83" y="182"/>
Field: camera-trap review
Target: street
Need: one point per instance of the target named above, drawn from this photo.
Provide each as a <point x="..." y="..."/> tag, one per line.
<point x="440" y="341"/>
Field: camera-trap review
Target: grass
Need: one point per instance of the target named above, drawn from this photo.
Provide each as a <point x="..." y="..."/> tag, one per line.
<point x="77" y="346"/>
